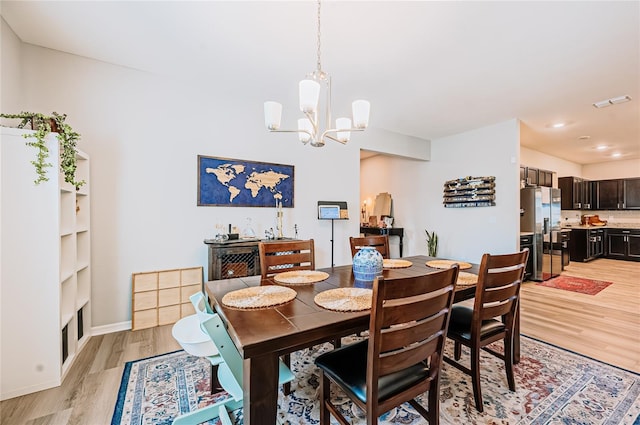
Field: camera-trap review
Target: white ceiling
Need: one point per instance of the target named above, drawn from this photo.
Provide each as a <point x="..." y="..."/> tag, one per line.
<point x="430" y="69"/>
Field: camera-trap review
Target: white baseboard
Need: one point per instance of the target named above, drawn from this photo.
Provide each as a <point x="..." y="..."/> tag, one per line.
<point x="28" y="390"/>
<point x="114" y="327"/>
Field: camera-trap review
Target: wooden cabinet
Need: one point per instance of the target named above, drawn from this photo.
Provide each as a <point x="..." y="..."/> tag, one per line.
<point x="46" y="268"/>
<point x="586" y="244"/>
<point x="526" y="241"/>
<point x="623" y="244"/>
<point x="576" y="193"/>
<point x="631" y="194"/>
<point x="536" y="177"/>
<point x="618" y="194"/>
<point x="609" y="194"/>
<point x="234" y="258"/>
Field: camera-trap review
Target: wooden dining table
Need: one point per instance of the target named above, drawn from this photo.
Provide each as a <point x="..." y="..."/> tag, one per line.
<point x="263" y="335"/>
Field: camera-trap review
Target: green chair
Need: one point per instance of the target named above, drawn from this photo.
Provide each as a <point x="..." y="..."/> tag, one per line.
<point x="229" y="376"/>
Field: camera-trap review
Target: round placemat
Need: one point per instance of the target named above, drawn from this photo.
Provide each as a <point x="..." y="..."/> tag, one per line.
<point x="466" y="279"/>
<point x="345" y="299"/>
<point x="300" y="277"/>
<point x="395" y="263"/>
<point x="445" y="264"/>
<point x="258" y="297"/>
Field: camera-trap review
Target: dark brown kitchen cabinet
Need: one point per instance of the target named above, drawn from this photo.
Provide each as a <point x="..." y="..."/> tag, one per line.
<point x="609" y="194"/>
<point x="631" y="193"/>
<point x="623" y="244"/>
<point x="536" y="177"/>
<point x="618" y="194"/>
<point x="586" y="244"/>
<point x="576" y="193"/>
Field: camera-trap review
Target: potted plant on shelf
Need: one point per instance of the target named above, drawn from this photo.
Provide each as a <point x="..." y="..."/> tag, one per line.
<point x="432" y="243"/>
<point x="67" y="137"/>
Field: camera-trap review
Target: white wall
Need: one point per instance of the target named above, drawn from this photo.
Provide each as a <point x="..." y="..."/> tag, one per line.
<point x="417" y="189"/>
<point x="612" y="170"/>
<point x="144" y="133"/>
<point x="560" y="167"/>
<point x="10" y="79"/>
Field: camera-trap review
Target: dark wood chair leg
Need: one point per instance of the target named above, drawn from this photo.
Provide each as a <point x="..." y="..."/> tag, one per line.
<point x="324" y="396"/>
<point x="475" y="377"/>
<point x="433" y="416"/>
<point x="457" y="350"/>
<point x="508" y="361"/>
<point x="337" y="343"/>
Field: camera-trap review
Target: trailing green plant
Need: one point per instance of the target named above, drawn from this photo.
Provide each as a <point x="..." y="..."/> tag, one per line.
<point x="432" y="243"/>
<point x="67" y="137"/>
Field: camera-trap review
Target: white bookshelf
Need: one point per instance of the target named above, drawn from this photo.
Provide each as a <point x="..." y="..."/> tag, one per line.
<point x="45" y="290"/>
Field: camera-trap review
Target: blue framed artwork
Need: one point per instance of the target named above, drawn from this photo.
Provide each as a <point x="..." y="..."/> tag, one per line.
<point x="238" y="183"/>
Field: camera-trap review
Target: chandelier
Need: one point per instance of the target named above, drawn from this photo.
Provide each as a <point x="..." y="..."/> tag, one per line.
<point x="309" y="130"/>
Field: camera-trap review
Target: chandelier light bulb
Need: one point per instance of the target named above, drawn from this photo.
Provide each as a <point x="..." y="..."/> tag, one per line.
<point x="309" y="95"/>
<point x="343" y="124"/>
<point x="304" y="124"/>
<point x="272" y="115"/>
<point x="360" y="110"/>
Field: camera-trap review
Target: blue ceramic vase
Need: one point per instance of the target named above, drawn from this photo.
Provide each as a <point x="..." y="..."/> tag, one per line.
<point x="367" y="264"/>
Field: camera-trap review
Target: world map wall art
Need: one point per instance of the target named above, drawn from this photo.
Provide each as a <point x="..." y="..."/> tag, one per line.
<point x="238" y="183"/>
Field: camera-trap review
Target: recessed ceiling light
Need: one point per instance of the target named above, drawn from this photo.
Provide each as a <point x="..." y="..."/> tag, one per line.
<point x="584" y="137"/>
<point x="616" y="154"/>
<point x="601" y="147"/>
<point x="612" y="101"/>
<point x="558" y="125"/>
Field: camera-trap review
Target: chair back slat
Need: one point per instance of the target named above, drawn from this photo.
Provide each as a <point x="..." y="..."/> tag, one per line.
<point x="497" y="310"/>
<point x="278" y="257"/>
<point x="411" y="355"/>
<point x="503" y="277"/>
<point x="402" y="313"/>
<point x="405" y="331"/>
<point x="396" y="337"/>
<point x="501" y="294"/>
<point x="379" y="242"/>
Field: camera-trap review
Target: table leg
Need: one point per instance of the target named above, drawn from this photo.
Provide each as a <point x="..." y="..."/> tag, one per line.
<point x="400" y="236"/>
<point x="260" y="387"/>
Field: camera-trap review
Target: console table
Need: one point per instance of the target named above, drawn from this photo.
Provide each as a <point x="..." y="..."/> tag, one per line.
<point x="235" y="258"/>
<point x="391" y="231"/>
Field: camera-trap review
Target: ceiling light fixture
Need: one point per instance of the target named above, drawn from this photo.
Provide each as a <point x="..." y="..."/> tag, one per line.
<point x="616" y="154"/>
<point x="612" y="101"/>
<point x="601" y="147"/>
<point x="309" y="129"/>
<point x="558" y="125"/>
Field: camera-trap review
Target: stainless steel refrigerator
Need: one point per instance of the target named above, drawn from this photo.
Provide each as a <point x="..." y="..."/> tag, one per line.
<point x="540" y="214"/>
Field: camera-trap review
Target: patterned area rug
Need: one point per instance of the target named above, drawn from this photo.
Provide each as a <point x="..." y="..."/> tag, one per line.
<point x="576" y="284"/>
<point x="553" y="386"/>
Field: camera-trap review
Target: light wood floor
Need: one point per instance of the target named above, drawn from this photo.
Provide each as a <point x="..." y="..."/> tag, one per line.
<point x="605" y="326"/>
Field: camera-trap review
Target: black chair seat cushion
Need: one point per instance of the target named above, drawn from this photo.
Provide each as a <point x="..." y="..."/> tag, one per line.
<point x="347" y="366"/>
<point x="460" y="324"/>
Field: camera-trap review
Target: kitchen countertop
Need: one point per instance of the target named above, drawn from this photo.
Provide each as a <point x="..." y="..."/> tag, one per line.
<point x="607" y="226"/>
<point x="526" y="233"/>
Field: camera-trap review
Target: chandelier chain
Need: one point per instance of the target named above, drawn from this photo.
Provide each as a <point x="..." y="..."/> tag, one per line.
<point x="319" y="63"/>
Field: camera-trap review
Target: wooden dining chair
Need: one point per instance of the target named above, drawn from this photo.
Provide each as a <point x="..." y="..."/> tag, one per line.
<point x="492" y="318"/>
<point x="230" y="377"/>
<point x="401" y="359"/>
<point x="284" y="256"/>
<point x="381" y="243"/>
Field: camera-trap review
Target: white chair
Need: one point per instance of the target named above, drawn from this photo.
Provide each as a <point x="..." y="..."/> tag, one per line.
<point x="194" y="340"/>
<point x="229" y="375"/>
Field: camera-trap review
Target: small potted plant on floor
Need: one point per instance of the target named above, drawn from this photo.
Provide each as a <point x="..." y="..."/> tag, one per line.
<point x="67" y="137"/>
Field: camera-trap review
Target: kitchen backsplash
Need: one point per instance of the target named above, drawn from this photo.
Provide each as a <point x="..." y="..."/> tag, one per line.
<point x="571" y="216"/>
